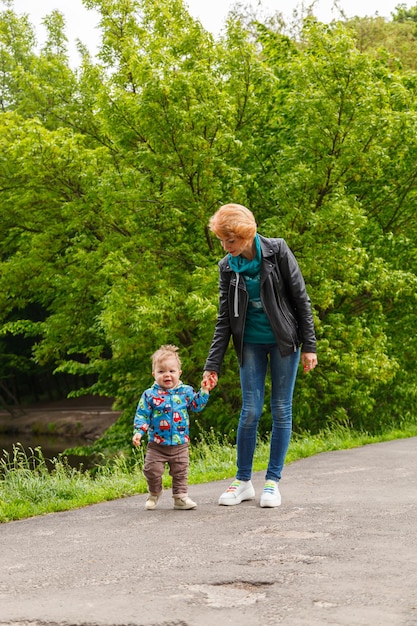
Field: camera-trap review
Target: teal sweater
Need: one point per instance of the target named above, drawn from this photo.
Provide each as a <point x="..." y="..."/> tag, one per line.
<point x="257" y="328"/>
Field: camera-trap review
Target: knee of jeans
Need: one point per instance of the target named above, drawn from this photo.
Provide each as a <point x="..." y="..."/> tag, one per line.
<point x="282" y="420"/>
<point x="249" y="419"/>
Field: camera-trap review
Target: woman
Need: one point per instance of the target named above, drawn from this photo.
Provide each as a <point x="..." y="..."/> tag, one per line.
<point x="264" y="306"/>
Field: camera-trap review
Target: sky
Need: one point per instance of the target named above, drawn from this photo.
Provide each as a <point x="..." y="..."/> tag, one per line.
<point x="81" y="23"/>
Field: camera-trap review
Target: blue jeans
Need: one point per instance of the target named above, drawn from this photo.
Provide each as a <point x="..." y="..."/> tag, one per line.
<point x="252" y="380"/>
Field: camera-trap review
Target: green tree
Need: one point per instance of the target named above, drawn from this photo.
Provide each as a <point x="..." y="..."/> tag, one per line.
<point x="109" y="174"/>
<point x="337" y="129"/>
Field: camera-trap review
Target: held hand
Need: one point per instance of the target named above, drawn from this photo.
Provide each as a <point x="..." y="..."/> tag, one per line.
<point x="136" y="439"/>
<point x="209" y="380"/>
<point x="309" y="361"/>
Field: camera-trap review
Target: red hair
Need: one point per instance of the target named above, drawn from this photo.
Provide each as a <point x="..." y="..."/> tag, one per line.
<point x="233" y="220"/>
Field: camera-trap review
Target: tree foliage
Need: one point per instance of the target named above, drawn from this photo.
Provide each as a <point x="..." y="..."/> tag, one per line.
<point x="109" y="174"/>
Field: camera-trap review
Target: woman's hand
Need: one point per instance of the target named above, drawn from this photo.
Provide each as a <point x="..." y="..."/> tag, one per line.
<point x="308" y="360"/>
<point x="209" y="380"/>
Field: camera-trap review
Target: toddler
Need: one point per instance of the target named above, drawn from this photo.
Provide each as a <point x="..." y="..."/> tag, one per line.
<point x="162" y="413"/>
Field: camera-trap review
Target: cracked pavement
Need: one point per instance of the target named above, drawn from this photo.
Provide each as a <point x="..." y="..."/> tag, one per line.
<point x="341" y="550"/>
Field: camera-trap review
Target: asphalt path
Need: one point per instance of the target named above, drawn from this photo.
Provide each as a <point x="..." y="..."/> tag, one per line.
<point x="340" y="551"/>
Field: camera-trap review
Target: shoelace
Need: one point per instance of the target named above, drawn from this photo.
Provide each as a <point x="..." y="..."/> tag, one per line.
<point x="233" y="486"/>
<point x="269" y="487"/>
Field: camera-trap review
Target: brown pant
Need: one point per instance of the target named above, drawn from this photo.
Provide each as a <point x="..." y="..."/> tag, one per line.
<point x="178" y="460"/>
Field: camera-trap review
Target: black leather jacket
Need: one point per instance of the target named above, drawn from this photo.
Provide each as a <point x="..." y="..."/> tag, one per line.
<point x="284" y="299"/>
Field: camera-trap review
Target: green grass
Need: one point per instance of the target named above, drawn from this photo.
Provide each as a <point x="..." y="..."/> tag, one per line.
<point x="29" y="486"/>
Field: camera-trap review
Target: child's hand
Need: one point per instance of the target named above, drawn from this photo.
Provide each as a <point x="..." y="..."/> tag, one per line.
<point x="136" y="439"/>
<point x="209" y="381"/>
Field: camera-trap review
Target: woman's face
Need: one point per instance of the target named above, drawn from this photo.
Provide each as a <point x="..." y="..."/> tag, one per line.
<point x="237" y="246"/>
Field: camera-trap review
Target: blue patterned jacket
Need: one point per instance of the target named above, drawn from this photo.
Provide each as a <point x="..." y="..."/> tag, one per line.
<point x="163" y="413"/>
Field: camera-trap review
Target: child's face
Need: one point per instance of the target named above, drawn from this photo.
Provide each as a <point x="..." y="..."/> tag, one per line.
<point x="167" y="372"/>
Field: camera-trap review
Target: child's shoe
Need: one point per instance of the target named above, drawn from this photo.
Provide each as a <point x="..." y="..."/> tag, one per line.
<point x="238" y="491"/>
<point x="184" y="503"/>
<point x="152" y="501"/>
<point x="271" y="496"/>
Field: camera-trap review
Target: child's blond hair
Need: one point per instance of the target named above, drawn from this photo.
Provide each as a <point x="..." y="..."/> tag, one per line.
<point x="163" y="352"/>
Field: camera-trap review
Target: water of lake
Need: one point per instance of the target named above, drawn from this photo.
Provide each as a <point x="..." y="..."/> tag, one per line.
<point x="73" y="422"/>
<point x="51" y="447"/>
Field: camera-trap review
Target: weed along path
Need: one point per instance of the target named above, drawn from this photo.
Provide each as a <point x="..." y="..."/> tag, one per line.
<point x="341" y="550"/>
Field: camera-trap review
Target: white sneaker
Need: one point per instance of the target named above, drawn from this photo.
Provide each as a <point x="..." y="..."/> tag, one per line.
<point x="238" y="491"/>
<point x="152" y="501"/>
<point x="270" y="496"/>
